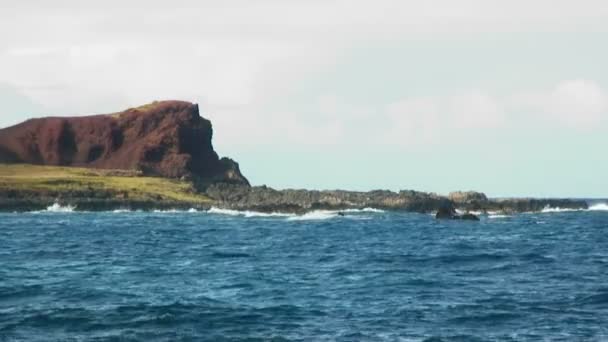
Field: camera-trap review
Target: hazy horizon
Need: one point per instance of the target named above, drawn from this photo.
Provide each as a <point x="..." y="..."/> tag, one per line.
<point x="510" y="99"/>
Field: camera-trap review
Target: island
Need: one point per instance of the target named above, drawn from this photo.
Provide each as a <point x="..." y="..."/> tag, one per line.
<point x="160" y="156"/>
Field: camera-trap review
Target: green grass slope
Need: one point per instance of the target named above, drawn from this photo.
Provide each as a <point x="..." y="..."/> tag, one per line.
<point x="33" y="181"/>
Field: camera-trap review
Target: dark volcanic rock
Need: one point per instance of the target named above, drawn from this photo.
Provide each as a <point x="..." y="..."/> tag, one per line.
<point x="168" y="139"/>
<point x="263" y="198"/>
<point x="469" y="200"/>
<point x="467" y="197"/>
<point x="445" y="213"/>
<point x="519" y="205"/>
<point x="448" y="212"/>
<point x="469" y="217"/>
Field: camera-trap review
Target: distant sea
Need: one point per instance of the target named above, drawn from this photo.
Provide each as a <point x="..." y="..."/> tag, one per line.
<point x="244" y="276"/>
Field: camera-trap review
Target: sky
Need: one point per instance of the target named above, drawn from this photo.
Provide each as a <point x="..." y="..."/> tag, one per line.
<point x="505" y="97"/>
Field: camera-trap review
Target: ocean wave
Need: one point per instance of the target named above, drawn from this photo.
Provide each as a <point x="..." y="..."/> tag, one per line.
<point x="492" y="216"/>
<point x="156" y="211"/>
<point x="329" y="214"/>
<point x="174" y="211"/>
<point x="548" y="209"/>
<point x="246" y="213"/>
<point x="312" y="215"/>
<point x="315" y="215"/>
<point x="58" y="208"/>
<point x="593" y="207"/>
<point x="364" y="210"/>
<point x="599" y="207"/>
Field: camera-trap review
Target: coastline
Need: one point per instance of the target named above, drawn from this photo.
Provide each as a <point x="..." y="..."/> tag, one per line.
<point x="25" y="188"/>
<point x="159" y="156"/>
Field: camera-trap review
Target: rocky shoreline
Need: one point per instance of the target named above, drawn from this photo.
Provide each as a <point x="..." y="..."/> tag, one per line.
<point x="160" y="156"/>
<point x="94" y="205"/>
<point x="268" y="200"/>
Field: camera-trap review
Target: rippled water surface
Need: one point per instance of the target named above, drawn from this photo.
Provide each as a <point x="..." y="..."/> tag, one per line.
<point x="368" y="276"/>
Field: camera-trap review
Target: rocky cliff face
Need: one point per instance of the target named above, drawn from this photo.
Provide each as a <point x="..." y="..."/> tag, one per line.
<point x="168" y="139"/>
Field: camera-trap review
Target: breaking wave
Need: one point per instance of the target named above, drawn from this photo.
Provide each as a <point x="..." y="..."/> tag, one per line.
<point x="315" y="215"/>
<point x="246" y="213"/>
<point x="599" y="207"/>
<point x="58" y="208"/>
<point x="492" y="216"/>
<point x="312" y="215"/>
<point x="364" y="210"/>
<point x="593" y="207"/>
<point x="548" y="209"/>
<point x="175" y="211"/>
<point x="329" y="214"/>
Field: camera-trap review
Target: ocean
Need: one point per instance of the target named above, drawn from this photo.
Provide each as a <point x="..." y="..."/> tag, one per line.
<point x="370" y="275"/>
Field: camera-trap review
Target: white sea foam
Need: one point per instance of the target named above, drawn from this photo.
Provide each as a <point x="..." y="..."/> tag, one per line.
<point x="312" y="215"/>
<point x="230" y="212"/>
<point x="599" y="207"/>
<point x="315" y="215"/>
<point x="246" y="213"/>
<point x="492" y="216"/>
<point x="593" y="207"/>
<point x="364" y="210"/>
<point x="548" y="209"/>
<point x="156" y="211"/>
<point x="175" y="211"/>
<point x="58" y="208"/>
<point x="168" y="211"/>
<point x="329" y="214"/>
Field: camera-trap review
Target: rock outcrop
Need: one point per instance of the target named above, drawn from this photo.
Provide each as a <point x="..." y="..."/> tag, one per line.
<point x="266" y="199"/>
<point x="167" y="139"/>
<point x="468" y="197"/>
<point x="520" y="205"/>
<point x="449" y="213"/>
<point x="479" y="202"/>
<point x="263" y="198"/>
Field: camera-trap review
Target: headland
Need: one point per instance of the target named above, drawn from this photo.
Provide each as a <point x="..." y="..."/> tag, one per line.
<point x="160" y="156"/>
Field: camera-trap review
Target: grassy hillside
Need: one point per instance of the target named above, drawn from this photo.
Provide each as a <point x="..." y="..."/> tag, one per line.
<point x="78" y="182"/>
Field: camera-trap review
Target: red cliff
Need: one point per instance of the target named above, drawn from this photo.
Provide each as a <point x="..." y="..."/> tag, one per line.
<point x="168" y="139"/>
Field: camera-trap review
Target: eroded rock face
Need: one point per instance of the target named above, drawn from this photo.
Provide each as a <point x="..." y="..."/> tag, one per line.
<point x="467" y="197"/>
<point x="469" y="200"/>
<point x="168" y="139"/>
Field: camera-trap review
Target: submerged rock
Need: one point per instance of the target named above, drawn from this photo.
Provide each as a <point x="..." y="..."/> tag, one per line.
<point x="445" y="213"/>
<point x="449" y="213"/>
<point x="469" y="217"/>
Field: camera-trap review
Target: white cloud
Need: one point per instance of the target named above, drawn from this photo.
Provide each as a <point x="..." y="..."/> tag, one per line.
<point x="237" y="58"/>
<point x="291" y="20"/>
<point x="432" y="120"/>
<point x="413" y="121"/>
<point x="580" y="104"/>
<point x="475" y="109"/>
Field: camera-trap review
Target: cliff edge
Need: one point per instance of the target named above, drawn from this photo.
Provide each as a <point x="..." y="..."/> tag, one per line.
<point x="167" y="139"/>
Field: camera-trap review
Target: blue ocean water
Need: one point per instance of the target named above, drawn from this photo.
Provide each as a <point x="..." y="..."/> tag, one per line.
<point x="367" y="276"/>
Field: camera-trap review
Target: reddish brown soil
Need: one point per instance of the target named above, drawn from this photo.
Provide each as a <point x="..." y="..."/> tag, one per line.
<point x="168" y="139"/>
